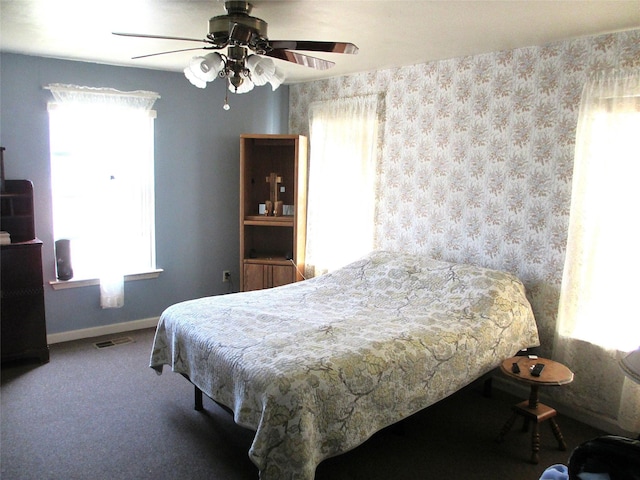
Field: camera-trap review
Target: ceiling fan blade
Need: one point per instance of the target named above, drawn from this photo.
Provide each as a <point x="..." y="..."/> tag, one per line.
<point x="162" y="37"/>
<point x="300" y="59"/>
<point x="170" y="51"/>
<point x="313" y="46"/>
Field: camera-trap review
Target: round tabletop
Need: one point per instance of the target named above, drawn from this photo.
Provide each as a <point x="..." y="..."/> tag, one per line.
<point x="554" y="373"/>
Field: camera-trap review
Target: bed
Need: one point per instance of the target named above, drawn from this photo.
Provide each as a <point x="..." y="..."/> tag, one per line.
<point x="317" y="367"/>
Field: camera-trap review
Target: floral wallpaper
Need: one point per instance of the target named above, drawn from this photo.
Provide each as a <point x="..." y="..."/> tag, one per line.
<point x="477" y="156"/>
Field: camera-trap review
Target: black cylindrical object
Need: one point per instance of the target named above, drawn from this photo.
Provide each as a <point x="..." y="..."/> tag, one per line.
<point x="63" y="259"/>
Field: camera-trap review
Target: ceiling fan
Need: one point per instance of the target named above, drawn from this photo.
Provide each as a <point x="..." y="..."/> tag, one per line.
<point x="246" y="61"/>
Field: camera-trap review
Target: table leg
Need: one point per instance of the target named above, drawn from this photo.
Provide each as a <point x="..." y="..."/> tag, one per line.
<point x="507" y="427"/>
<point x="558" y="434"/>
<point x="535" y="443"/>
<point x="533" y="397"/>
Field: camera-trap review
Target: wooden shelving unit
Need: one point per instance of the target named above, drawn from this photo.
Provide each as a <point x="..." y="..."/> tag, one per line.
<point x="273" y="168"/>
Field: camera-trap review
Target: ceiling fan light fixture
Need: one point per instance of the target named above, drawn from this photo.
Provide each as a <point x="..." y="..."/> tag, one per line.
<point x="237" y="84"/>
<point x="204" y="69"/>
<point x="212" y="64"/>
<point x="276" y="80"/>
<point x="262" y="69"/>
<point x="194" y="79"/>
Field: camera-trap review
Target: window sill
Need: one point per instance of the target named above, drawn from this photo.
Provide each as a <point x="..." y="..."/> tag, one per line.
<point x="63" y="284"/>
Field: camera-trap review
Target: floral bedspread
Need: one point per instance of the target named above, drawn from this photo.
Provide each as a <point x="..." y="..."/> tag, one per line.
<point x="317" y="367"/>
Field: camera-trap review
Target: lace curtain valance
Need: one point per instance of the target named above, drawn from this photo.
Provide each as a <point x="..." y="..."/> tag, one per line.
<point x="139" y="99"/>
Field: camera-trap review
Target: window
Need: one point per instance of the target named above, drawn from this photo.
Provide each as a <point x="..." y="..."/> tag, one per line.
<point x="102" y="175"/>
<point x="342" y="181"/>
<point x="599" y="290"/>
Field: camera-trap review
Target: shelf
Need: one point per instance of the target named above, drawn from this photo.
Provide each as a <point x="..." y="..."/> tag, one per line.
<point x="35" y="241"/>
<point x="283" y="221"/>
<point x="25" y="196"/>
<point x="266" y="259"/>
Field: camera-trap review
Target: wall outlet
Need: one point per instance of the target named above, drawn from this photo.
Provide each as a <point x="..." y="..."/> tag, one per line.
<point x="226" y="275"/>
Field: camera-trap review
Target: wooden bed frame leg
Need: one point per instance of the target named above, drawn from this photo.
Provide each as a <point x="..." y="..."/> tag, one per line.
<point x="198" y="399"/>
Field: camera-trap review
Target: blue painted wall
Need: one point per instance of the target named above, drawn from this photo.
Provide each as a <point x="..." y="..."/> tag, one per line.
<point x="196" y="175"/>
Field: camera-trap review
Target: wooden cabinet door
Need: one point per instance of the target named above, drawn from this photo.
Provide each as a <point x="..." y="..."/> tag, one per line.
<point x="281" y="275"/>
<point x="258" y="276"/>
<point x="254" y="277"/>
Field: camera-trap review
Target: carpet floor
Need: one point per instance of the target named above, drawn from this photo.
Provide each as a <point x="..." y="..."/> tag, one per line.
<point x="103" y="413"/>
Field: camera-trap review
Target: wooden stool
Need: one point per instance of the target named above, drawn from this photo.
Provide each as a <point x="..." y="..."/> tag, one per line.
<point x="532" y="410"/>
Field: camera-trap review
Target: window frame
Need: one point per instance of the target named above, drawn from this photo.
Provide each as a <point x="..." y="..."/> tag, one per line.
<point x="137" y="102"/>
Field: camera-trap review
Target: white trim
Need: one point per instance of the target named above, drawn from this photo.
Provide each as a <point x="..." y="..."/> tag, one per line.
<point x="102" y="330"/>
<point x="63" y="284"/>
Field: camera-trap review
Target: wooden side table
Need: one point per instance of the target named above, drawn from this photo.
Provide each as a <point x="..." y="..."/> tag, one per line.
<point x="553" y="374"/>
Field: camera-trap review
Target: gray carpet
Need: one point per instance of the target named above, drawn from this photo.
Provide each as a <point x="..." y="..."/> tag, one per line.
<point x="103" y="414"/>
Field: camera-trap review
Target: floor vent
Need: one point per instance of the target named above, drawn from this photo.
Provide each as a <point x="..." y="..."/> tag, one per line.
<point x="113" y="342"/>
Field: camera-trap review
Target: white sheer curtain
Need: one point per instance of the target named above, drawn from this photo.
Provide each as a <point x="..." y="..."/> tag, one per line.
<point x="108" y="154"/>
<point x="599" y="286"/>
<point x="342" y="172"/>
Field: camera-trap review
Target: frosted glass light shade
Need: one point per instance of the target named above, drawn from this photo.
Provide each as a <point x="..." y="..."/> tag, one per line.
<point x="276" y="80"/>
<point x="262" y="69"/>
<point x="195" y="81"/>
<point x="204" y="69"/>
<point x="211" y="65"/>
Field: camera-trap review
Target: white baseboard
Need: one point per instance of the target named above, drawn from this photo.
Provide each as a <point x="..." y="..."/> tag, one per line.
<point x="102" y="330"/>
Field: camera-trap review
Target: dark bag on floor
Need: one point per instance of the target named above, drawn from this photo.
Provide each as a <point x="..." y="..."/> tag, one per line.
<point x="619" y="457"/>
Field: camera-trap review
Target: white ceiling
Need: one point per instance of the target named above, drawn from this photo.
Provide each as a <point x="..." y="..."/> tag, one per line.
<point x="388" y="33"/>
